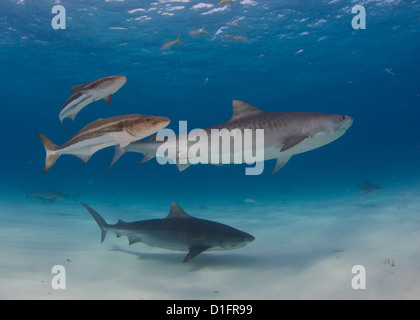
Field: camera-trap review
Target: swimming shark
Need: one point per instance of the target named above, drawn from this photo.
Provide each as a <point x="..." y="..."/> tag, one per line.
<point x="84" y="94"/>
<point x="103" y="133"/>
<point x="47" y="196"/>
<point x="178" y="231"/>
<point x="369" y="188"/>
<point x="285" y="133"/>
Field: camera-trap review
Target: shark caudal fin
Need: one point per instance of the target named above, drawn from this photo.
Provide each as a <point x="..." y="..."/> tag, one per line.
<point x="27" y="193"/>
<point x="99" y="220"/>
<point x="50" y="149"/>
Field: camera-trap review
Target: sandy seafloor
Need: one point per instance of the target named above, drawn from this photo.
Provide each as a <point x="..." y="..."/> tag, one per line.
<point x="304" y="249"/>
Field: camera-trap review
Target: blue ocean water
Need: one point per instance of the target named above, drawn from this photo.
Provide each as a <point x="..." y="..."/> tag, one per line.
<point x="340" y="70"/>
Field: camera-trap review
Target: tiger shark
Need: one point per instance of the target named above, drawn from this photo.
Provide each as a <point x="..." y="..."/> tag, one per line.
<point x="178" y="231"/>
<point x="285" y="134"/>
<point x="84" y="94"/>
<point x="103" y="133"/>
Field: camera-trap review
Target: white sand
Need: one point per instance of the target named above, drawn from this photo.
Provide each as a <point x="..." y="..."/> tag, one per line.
<point x="303" y="250"/>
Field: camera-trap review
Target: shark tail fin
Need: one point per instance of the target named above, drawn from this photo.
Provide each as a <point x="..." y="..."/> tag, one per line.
<point x="26" y="192"/>
<point x="50" y="149"/>
<point x="99" y="220"/>
<point x="75" y="198"/>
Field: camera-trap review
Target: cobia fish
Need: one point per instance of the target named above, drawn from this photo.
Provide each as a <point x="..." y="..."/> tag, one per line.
<point x="84" y="94"/>
<point x="102" y="133"/>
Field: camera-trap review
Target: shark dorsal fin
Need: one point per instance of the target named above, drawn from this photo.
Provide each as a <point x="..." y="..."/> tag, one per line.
<point x="176" y="212"/>
<point x="242" y="109"/>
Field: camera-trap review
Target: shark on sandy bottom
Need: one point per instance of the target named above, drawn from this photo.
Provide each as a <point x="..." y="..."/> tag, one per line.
<point x="103" y="133"/>
<point x="84" y="94"/>
<point x="285" y="134"/>
<point x="47" y="196"/>
<point x="178" y="231"/>
<point x="369" y="188"/>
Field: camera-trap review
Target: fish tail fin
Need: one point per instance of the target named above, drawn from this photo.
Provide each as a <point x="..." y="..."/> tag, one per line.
<point x="177" y="40"/>
<point x="26" y="192"/>
<point x="99" y="220"/>
<point x="50" y="149"/>
<point x="64" y="127"/>
<point x="118" y="153"/>
<point x="75" y="198"/>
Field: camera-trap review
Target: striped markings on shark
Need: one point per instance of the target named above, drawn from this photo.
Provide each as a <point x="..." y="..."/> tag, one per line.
<point x="84" y="94"/>
<point x="178" y="231"/>
<point x="103" y="133"/>
<point x="285" y="134"/>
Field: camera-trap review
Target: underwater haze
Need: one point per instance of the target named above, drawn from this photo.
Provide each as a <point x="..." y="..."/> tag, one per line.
<point x="311" y="220"/>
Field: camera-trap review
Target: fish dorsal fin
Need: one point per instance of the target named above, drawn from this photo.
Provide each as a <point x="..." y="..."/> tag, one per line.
<point x="242" y="109"/>
<point x="120" y="222"/>
<point x="177" y="212"/>
<point x="77" y="88"/>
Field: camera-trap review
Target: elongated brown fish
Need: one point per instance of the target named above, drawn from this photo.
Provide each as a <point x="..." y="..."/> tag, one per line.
<point x="85" y="94"/>
<point x="102" y="133"/>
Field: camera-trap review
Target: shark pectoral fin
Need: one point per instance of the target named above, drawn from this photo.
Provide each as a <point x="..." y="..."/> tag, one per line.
<point x="182" y="166"/>
<point x="291" y="142"/>
<point x="194" y="251"/>
<point x="280" y="163"/>
<point x="118" y="153"/>
<point x="132" y="240"/>
<point x="108" y="99"/>
<point x="147" y="157"/>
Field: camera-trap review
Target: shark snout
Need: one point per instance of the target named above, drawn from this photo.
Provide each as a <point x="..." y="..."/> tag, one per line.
<point x="246" y="238"/>
<point x="249" y="239"/>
